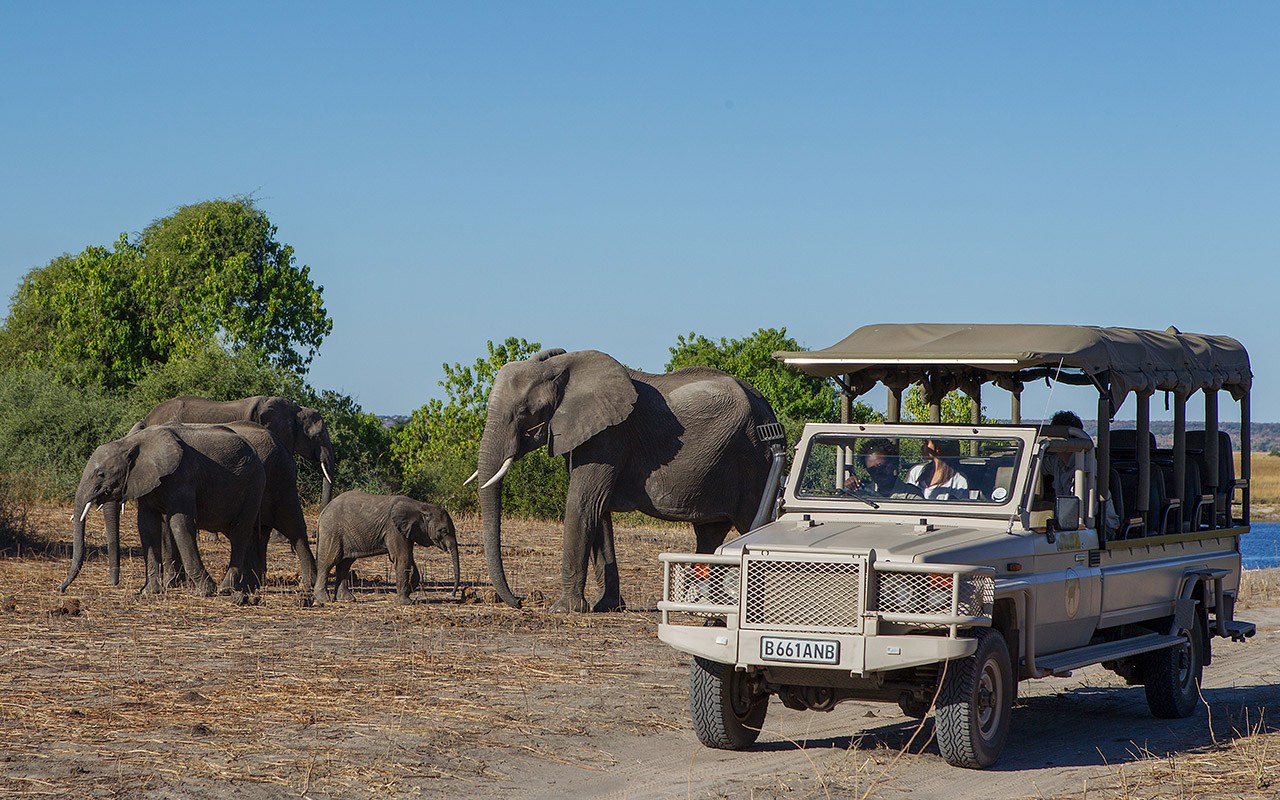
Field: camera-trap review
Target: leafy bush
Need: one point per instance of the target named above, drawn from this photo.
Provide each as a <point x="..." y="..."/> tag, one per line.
<point x="438" y="447"/>
<point x="361" y="444"/>
<point x="209" y="370"/>
<point x="49" y="426"/>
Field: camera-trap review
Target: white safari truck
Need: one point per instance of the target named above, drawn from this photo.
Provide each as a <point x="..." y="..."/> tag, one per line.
<point x="939" y="565"/>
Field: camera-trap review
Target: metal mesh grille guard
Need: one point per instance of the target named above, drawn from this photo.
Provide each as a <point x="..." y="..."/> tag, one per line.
<point x="704" y="584"/>
<point x="803" y="594"/>
<point x="930" y="594"/>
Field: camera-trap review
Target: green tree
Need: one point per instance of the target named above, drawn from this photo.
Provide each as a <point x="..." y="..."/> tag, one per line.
<point x="796" y="398"/>
<point x="438" y="447"/>
<point x="956" y="407"/>
<point x="81" y="316"/>
<point x="792" y="393"/>
<point x="209" y="272"/>
<point x="215" y="269"/>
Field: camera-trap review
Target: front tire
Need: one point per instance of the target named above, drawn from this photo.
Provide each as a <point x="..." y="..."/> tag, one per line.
<point x="975" y="704"/>
<point x="1172" y="676"/>
<point x="726" y="709"/>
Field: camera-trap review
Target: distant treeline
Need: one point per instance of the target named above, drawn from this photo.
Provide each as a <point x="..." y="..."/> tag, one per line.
<point x="207" y="302"/>
<point x="1264" y="436"/>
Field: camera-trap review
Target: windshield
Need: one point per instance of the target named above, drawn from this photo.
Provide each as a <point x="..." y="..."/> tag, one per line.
<point x="919" y="468"/>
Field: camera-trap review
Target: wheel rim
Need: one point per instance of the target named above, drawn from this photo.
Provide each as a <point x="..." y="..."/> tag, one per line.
<point x="989" y="697"/>
<point x="1183" y="662"/>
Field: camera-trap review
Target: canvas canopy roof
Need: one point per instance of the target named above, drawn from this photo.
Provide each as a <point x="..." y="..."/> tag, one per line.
<point x="942" y="357"/>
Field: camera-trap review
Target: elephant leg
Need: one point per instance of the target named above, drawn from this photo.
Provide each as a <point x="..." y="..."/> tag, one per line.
<point x="710" y="535"/>
<point x="150" y="531"/>
<point x="342" y="580"/>
<point x="171" y="571"/>
<point x="320" y="590"/>
<point x="415" y="580"/>
<point x="590" y="485"/>
<point x="254" y="573"/>
<point x="605" y="568"/>
<point x="294" y="528"/>
<point x="182" y="525"/>
<point x="406" y="573"/>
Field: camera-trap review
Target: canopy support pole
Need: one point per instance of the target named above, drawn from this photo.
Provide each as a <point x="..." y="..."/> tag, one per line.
<point x="1245" y="456"/>
<point x="1211" y="455"/>
<point x="1015" y="407"/>
<point x="1180" y="455"/>
<point x="1144" y="463"/>
<point x="846" y="402"/>
<point x="1103" y="452"/>
<point x="895" y="404"/>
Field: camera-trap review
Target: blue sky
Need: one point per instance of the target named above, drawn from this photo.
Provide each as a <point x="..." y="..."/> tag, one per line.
<point x="609" y="176"/>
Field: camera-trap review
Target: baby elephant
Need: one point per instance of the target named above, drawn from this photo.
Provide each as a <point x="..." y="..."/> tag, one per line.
<point x="357" y="524"/>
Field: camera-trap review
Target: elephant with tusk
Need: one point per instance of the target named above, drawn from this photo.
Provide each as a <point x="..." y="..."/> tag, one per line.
<point x="301" y="429"/>
<point x="183" y="478"/>
<point x="683" y="446"/>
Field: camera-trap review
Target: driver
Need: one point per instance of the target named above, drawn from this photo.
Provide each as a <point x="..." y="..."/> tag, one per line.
<point x="879" y="457"/>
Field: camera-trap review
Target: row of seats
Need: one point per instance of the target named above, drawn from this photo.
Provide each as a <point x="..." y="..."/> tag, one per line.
<point x="1199" y="507"/>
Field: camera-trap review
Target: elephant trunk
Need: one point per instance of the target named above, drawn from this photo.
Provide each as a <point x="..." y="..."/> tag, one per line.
<point x="452" y="546"/>
<point x="491" y="459"/>
<point x="111" y="514"/>
<point x="328" y="468"/>
<point x="82" y="507"/>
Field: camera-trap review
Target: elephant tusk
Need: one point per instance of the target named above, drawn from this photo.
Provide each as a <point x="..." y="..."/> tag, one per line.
<point x="325" y="471"/>
<point x="87" y="508"/>
<point x="474" y="475"/>
<point x="506" y="465"/>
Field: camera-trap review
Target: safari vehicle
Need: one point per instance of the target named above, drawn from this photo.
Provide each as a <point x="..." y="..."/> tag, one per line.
<point x="865" y="586"/>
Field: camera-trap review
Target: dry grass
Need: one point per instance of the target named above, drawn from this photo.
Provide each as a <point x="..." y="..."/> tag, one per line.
<point x="1264" y="479"/>
<point x="1243" y="764"/>
<point x="1259" y="588"/>
<point x="182" y="695"/>
<point x="151" y="697"/>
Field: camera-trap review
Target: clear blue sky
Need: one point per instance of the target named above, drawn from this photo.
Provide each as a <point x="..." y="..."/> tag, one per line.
<point x="608" y="175"/>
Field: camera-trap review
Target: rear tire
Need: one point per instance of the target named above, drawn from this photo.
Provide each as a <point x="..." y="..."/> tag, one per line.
<point x="1172" y="677"/>
<point x="726" y="710"/>
<point x="975" y="704"/>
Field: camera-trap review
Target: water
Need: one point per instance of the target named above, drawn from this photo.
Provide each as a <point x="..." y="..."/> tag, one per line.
<point x="1260" y="547"/>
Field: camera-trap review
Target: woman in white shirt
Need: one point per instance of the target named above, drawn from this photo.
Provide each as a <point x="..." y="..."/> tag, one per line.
<point x="936" y="478"/>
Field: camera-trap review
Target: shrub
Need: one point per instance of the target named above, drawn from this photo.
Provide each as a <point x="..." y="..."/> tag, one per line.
<point x="49" y="426"/>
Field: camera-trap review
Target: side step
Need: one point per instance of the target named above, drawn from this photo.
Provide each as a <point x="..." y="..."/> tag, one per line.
<point x="1239" y="631"/>
<point x="1059" y="663"/>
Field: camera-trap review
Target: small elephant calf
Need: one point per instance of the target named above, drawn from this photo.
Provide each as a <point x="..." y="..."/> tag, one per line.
<point x="357" y="524"/>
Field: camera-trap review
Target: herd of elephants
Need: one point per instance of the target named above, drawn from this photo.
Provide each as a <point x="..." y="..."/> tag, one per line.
<point x="686" y="446"/>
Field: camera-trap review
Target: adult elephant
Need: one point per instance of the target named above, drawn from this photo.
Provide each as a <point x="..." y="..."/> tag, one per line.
<point x="280" y="510"/>
<point x="184" y="478"/>
<point x="302" y="429"/>
<point x="684" y="446"/>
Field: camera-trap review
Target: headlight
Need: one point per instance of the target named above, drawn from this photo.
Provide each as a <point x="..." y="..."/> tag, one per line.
<point x="699" y="583"/>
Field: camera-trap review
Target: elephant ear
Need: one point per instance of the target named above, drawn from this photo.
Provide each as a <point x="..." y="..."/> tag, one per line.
<point x="550" y="352"/>
<point x="157" y="453"/>
<point x="404" y="516"/>
<point x="596" y="393"/>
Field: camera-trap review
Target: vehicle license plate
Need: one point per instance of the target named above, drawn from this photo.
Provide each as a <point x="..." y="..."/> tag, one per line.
<point x="806" y="651"/>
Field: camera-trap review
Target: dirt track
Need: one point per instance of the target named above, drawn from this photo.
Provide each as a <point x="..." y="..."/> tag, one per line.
<point x="179" y="696"/>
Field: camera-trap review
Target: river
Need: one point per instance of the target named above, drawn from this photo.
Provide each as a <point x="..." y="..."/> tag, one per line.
<point x="1260" y="548"/>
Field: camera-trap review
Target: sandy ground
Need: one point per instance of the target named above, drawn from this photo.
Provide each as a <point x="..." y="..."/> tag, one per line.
<point x="107" y="694"/>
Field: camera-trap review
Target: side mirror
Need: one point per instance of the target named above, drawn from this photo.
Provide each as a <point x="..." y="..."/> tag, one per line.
<point x="1066" y="513"/>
